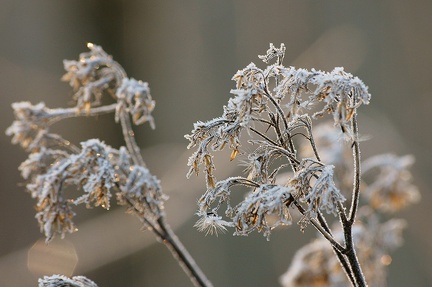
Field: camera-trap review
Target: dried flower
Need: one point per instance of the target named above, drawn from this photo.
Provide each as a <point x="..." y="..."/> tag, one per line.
<point x="276" y="106"/>
<point x="142" y="192"/>
<point x="391" y="189"/>
<point x="263" y="209"/>
<point x="134" y="96"/>
<point x="54" y="164"/>
<point x="92" y="75"/>
<point x="271" y="124"/>
<point x="211" y="224"/>
<point x="314" y="184"/>
<point x="315" y="263"/>
<point x="90" y="169"/>
<point x="39" y="162"/>
<point x="63" y="281"/>
<point x="273" y="52"/>
<point x="30" y="124"/>
<point x="55" y="215"/>
<point x="94" y="172"/>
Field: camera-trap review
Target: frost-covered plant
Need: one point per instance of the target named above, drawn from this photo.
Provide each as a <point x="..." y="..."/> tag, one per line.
<point x="98" y="170"/>
<point x="63" y="281"/>
<point x="292" y="166"/>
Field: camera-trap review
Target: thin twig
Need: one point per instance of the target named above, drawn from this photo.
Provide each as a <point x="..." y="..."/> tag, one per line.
<point x="60" y="114"/>
<point x="347" y="225"/>
<point x="182" y="255"/>
<point x="129" y="137"/>
<point x="263" y="136"/>
<point x="356" y="184"/>
<point x="320" y="229"/>
<point x="164" y="232"/>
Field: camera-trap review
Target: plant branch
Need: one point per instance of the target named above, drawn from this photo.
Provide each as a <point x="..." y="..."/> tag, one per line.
<point x="182" y="256"/>
<point x="60" y="114"/>
<point x="320" y="229"/>
<point x="345" y="266"/>
<point x="356" y="183"/>
<point x="129" y="137"/>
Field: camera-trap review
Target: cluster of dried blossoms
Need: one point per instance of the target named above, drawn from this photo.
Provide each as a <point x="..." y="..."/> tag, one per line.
<point x="387" y="189"/>
<point x="290" y="166"/>
<point x="293" y="166"/>
<point x="63" y="281"/>
<point x="98" y="170"/>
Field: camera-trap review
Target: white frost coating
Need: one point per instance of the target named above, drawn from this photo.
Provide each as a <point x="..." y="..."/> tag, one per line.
<point x="392" y="188"/>
<point x="212" y="224"/>
<point x="63" y="281"/>
<point x="257" y="209"/>
<point x="92" y="75"/>
<point x="324" y="194"/>
<point x="134" y="97"/>
<point x="143" y="191"/>
<point x="279" y="99"/>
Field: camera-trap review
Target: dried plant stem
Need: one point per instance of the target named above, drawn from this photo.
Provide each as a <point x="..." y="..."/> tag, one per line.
<point x="345" y="266"/>
<point x="160" y="228"/>
<point x="165" y="235"/>
<point x="321" y="230"/>
<point x="180" y="253"/>
<point x="129" y="137"/>
<point x="341" y="258"/>
<point x="347" y="225"/>
<point x="356" y="184"/>
<point x="60" y="114"/>
<point x="355" y="268"/>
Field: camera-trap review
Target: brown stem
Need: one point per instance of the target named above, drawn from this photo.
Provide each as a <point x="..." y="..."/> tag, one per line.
<point x="347" y="224"/>
<point x="164" y="231"/>
<point x="129" y="137"/>
<point x="356" y="184"/>
<point x="182" y="256"/>
<point x="56" y="115"/>
<point x="320" y="229"/>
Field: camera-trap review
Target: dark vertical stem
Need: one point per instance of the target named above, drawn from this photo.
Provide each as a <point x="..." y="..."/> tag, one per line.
<point x="345" y="266"/>
<point x="357" y="273"/>
<point x="347" y="225"/>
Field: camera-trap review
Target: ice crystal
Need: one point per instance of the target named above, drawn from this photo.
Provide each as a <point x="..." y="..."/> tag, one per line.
<point x="211" y="224"/>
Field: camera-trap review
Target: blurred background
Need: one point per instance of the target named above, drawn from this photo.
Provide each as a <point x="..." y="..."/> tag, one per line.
<point x="188" y="51"/>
